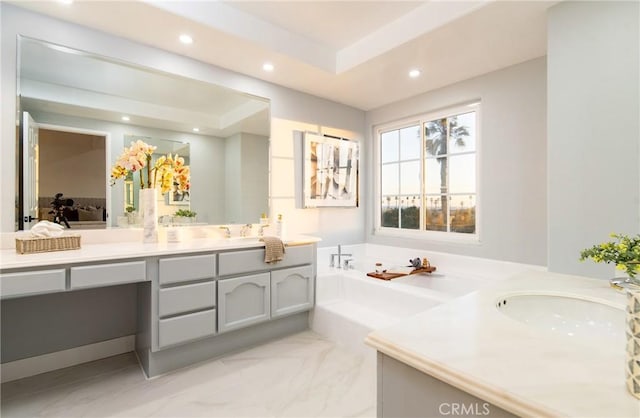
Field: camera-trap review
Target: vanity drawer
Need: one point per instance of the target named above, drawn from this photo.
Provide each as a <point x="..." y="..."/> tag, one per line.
<point x="191" y="297"/>
<point x="184" y="269"/>
<point x="31" y="282"/>
<point x="236" y="262"/>
<point x="186" y="327"/>
<point x="107" y="274"/>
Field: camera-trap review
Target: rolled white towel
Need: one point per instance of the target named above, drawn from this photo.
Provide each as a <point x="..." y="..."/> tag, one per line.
<point x="46" y="229"/>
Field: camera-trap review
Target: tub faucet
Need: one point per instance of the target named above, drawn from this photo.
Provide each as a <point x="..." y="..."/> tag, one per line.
<point x="340" y="254"/>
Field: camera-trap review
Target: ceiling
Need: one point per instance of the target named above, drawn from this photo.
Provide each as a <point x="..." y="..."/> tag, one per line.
<point x="354" y="52"/>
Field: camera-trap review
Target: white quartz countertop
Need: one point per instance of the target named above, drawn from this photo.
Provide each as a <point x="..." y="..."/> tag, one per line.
<point x="9" y="259"/>
<point x="470" y="345"/>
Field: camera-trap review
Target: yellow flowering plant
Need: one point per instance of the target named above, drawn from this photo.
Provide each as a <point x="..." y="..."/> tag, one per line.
<point x="166" y="171"/>
<point x="624" y="252"/>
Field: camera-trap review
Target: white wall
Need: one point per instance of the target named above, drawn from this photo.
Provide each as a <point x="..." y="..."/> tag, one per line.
<point x="297" y="109"/>
<point x="594" y="129"/>
<point x="512" y="162"/>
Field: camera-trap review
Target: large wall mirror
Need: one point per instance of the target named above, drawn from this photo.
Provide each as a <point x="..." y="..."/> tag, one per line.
<point x="79" y="110"/>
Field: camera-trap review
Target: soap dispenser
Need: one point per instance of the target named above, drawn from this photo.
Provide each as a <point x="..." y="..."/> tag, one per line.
<point x="280" y="227"/>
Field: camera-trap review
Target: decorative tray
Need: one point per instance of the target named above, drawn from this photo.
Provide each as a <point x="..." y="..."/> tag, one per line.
<point x="390" y="276"/>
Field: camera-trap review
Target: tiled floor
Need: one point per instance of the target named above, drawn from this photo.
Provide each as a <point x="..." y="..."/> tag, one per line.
<point x="302" y="375"/>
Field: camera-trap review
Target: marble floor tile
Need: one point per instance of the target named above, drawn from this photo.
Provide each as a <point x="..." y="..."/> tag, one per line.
<point x="302" y="375"/>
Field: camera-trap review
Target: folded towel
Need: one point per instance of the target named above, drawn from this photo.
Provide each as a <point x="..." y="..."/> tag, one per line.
<point x="46" y="229"/>
<point x="273" y="249"/>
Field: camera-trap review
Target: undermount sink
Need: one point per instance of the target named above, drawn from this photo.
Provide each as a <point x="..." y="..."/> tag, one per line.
<point x="566" y="315"/>
<point x="243" y="239"/>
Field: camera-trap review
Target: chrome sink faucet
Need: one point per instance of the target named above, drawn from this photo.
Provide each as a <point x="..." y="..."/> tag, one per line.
<point x="246" y="230"/>
<point x="227" y="231"/>
<point x="340" y="254"/>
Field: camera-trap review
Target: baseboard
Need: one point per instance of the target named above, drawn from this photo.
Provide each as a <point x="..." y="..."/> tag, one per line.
<point x="60" y="359"/>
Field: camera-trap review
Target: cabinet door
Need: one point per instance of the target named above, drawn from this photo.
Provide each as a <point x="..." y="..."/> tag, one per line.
<point x="292" y="290"/>
<point x="243" y="301"/>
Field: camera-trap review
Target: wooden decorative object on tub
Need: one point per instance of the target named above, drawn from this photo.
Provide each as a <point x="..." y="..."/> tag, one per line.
<point x="390" y="276"/>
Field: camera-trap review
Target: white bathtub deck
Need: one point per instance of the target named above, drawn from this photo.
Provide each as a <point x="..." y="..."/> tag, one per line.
<point x="349" y="305"/>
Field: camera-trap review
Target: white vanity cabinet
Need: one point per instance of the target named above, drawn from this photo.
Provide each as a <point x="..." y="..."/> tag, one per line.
<point x="269" y="292"/>
<point x="182" y="306"/>
<point x="186" y="299"/>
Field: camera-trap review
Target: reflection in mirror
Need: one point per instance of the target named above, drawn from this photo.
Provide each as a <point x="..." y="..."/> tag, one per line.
<point x="107" y="103"/>
<point x="168" y="203"/>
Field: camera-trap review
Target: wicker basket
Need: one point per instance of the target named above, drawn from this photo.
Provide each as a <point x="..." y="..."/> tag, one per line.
<point x="30" y="245"/>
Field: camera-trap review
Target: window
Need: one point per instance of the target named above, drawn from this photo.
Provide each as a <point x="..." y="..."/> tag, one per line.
<point x="427" y="173"/>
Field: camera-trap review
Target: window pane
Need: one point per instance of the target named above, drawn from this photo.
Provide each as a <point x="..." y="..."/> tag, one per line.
<point x="462" y="132"/>
<point x="463" y="214"/>
<point x="462" y="173"/>
<point x="390" y="179"/>
<point x="390" y="212"/>
<point x="410" y="213"/>
<point x="410" y="177"/>
<point x="435" y="178"/>
<point x="436" y="137"/>
<point x="435" y="213"/>
<point x="390" y="146"/>
<point x="410" y="143"/>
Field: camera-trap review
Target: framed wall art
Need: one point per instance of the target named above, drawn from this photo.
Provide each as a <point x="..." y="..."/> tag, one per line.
<point x="330" y="171"/>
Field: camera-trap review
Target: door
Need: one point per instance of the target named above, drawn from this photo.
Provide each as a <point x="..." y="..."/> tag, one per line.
<point x="292" y="290"/>
<point x="30" y="173"/>
<point x="243" y="301"/>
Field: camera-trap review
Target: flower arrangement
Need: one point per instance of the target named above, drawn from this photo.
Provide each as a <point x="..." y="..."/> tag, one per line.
<point x="163" y="173"/>
<point x="624" y="252"/>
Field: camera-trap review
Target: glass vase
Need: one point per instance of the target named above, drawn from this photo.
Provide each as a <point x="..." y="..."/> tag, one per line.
<point x="632" y="368"/>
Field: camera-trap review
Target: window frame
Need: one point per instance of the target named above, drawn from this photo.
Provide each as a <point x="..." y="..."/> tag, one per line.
<point x="421" y="120"/>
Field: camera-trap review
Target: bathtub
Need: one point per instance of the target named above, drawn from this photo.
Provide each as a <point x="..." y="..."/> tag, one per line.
<point x="349" y="304"/>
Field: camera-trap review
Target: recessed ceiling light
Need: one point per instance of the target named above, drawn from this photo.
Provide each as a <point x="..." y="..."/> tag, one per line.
<point x="267" y="66"/>
<point x="125" y="118"/>
<point x="65" y="1"/>
<point x="414" y="73"/>
<point x="186" y="39"/>
<point x="196" y="129"/>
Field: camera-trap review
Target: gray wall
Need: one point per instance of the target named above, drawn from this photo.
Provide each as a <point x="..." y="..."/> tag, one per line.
<point x="511" y="156"/>
<point x="286" y="104"/>
<point x="593" y="131"/>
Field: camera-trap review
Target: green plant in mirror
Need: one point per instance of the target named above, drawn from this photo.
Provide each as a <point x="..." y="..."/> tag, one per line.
<point x="186" y="213"/>
<point x="130" y="208"/>
<point x="624" y="252"/>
